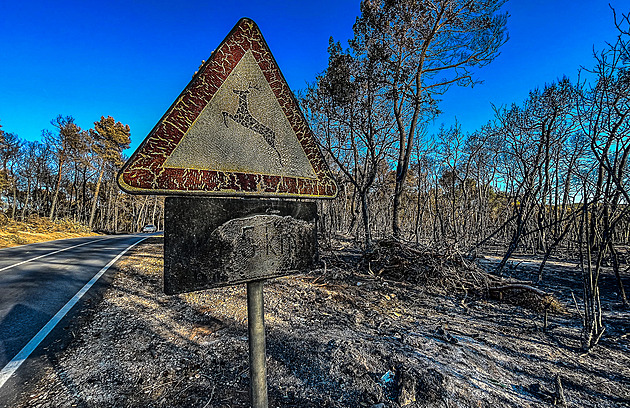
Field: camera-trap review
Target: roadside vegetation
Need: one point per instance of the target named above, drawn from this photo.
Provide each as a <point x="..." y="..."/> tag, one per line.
<point x="548" y="176"/>
<point x="70" y="175"/>
<point x="37" y="229"/>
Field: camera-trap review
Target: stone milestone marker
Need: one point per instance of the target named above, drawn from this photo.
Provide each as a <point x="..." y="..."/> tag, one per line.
<point x="217" y="242"/>
<point x="236" y="133"/>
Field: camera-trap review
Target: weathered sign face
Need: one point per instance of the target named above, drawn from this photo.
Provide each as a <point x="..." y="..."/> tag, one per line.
<point x="236" y="130"/>
<point x="211" y="242"/>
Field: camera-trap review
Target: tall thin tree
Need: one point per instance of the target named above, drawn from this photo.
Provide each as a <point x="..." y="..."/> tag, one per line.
<point x="110" y="138"/>
<point x="425" y="48"/>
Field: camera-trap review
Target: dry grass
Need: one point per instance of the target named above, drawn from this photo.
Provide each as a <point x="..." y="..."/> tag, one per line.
<point x="38" y="229"/>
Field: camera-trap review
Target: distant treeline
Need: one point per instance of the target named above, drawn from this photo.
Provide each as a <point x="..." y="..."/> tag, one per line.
<point x="547" y="176"/>
<point x="71" y="174"/>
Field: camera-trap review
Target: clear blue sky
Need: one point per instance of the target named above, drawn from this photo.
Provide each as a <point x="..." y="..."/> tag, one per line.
<point x="130" y="59"/>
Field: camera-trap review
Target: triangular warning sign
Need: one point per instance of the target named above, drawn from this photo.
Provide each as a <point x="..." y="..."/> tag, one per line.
<point x="235" y="130"/>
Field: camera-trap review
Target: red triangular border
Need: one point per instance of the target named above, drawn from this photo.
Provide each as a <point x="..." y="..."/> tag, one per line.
<point x="144" y="173"/>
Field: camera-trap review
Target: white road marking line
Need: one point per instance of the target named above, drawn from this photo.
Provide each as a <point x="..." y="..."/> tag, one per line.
<point x="51" y="253"/>
<point x="26" y="351"/>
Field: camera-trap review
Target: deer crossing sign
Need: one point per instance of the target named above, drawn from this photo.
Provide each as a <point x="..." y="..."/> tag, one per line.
<point x="235" y="134"/>
<point x="236" y="130"/>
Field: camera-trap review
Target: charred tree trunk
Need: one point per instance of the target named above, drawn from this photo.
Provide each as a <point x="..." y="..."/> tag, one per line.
<point x="95" y="199"/>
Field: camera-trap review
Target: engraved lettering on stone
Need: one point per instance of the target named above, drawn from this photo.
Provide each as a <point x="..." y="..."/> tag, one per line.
<point x="245" y="244"/>
<point x="245" y="118"/>
<point x="260" y="245"/>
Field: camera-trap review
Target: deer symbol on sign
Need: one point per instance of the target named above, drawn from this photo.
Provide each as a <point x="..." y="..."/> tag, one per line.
<point x="244" y="118"/>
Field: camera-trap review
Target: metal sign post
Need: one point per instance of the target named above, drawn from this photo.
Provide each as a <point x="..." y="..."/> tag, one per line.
<point x="257" y="344"/>
<point x="214" y="242"/>
<point x="235" y="132"/>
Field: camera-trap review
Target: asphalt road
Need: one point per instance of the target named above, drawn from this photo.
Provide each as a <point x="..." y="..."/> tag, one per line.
<point x="38" y="280"/>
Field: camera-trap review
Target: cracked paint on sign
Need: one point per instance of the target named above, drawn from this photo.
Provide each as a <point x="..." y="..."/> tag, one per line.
<point x="235" y="130"/>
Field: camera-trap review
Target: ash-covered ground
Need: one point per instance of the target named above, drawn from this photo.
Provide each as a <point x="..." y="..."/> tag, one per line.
<point x="342" y="336"/>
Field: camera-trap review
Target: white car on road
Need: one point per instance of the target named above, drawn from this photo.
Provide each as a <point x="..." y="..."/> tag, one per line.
<point x="149" y="228"/>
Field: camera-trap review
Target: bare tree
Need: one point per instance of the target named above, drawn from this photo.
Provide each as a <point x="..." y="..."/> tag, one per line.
<point x="532" y="132"/>
<point x="10" y="145"/>
<point x="349" y="112"/>
<point x="426" y="47"/>
<point x="28" y="172"/>
<point x="604" y="109"/>
<point x="65" y="142"/>
<point x="73" y="168"/>
<point x="110" y="138"/>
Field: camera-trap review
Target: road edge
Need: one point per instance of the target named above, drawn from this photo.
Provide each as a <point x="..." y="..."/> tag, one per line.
<point x="58" y="337"/>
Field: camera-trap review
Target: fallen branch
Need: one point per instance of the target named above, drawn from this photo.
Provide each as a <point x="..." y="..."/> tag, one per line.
<point x="519" y="287"/>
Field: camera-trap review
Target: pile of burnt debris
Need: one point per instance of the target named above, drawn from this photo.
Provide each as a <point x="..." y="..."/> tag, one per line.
<point x="448" y="271"/>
